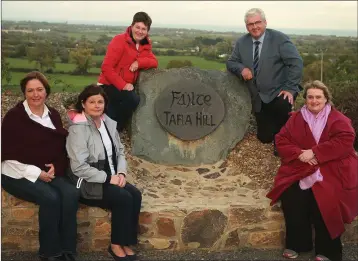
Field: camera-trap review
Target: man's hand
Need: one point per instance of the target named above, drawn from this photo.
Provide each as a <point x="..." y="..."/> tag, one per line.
<point x="134" y="66"/>
<point x="128" y="87"/>
<point x="287" y="95"/>
<point x="246" y="74"/>
<point x="306" y="155"/>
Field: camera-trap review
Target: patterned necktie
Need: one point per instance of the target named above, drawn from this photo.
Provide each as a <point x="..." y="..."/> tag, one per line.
<point x="256" y="57"/>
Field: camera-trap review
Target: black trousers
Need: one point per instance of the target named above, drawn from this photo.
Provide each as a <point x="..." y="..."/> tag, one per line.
<point x="301" y="211"/>
<point x="58" y="201"/>
<point x="125" y="204"/>
<point x="121" y="104"/>
<point x="272" y="118"/>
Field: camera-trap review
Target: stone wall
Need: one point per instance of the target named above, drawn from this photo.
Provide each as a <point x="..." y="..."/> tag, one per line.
<point x="219" y="207"/>
<point x="226" y="228"/>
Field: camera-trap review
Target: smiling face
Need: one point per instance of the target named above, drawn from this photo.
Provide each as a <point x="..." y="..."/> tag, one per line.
<point x="256" y="26"/>
<point x="139" y="31"/>
<point x="35" y="93"/>
<point x="315" y="100"/>
<point x="94" y="106"/>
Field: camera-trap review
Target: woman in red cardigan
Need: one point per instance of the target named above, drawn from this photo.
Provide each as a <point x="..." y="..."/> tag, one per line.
<point x="34" y="161"/>
<point x="127" y="53"/>
<point x="317" y="181"/>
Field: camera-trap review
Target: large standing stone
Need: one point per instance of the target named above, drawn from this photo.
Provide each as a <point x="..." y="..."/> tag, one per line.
<point x="153" y="141"/>
<point x="204" y="227"/>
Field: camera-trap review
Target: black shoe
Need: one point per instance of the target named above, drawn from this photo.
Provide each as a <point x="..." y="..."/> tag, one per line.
<point x="69" y="257"/>
<point x="132" y="257"/>
<point x="57" y="258"/>
<point x="115" y="257"/>
<point x="275" y="152"/>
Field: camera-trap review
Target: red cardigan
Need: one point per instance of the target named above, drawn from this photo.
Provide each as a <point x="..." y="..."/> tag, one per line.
<point x="29" y="142"/>
<point x="337" y="194"/>
<point x="121" y="53"/>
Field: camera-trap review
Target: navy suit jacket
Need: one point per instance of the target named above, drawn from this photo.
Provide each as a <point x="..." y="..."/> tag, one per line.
<point x="280" y="66"/>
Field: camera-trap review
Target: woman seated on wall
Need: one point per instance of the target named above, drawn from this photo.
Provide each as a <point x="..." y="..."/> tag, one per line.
<point x="318" y="178"/>
<point x="99" y="168"/>
<point x="33" y="165"/>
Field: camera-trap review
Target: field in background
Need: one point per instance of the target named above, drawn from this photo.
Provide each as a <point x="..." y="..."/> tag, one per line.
<point x="64" y="81"/>
<point x="58" y="82"/>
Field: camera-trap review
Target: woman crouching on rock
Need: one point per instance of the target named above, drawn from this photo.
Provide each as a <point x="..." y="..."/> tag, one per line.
<point x="33" y="167"/>
<point x="99" y="168"/>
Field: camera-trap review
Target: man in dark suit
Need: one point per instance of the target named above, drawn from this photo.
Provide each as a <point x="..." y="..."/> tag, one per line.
<point x="272" y="68"/>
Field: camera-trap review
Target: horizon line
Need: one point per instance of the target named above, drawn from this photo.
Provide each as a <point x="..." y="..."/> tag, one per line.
<point x="238" y="29"/>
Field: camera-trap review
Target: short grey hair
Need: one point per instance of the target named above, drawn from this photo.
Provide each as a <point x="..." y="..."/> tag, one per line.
<point x="255" y="11"/>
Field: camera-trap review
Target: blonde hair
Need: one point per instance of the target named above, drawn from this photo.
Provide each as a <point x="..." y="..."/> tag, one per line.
<point x="318" y="85"/>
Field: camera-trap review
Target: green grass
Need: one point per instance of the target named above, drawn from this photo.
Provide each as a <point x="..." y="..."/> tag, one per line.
<point x="63" y="67"/>
<point x="92" y="36"/>
<point x="97" y="57"/>
<point x="163" y="61"/>
<point x="73" y="83"/>
<point x="58" y="82"/>
<point x="159" y="38"/>
<point x="197" y="61"/>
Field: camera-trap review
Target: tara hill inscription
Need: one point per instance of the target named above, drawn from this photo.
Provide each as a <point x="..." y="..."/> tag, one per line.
<point x="189" y="110"/>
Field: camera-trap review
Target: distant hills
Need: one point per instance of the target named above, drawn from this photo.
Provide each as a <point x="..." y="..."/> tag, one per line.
<point x="217" y="28"/>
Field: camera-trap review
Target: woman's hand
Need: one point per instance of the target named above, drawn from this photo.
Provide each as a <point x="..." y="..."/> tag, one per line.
<point x="114" y="180"/>
<point x="122" y="180"/>
<point x="306" y="155"/>
<point x="51" y="171"/>
<point x="134" y="66"/>
<point x="313" y="161"/>
<point x="45" y="177"/>
<point x="128" y="87"/>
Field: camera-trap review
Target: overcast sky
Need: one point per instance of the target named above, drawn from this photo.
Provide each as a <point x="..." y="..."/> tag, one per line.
<point x="280" y="14"/>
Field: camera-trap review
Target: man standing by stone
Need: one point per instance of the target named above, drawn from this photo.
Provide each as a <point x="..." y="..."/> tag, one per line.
<point x="272" y="68"/>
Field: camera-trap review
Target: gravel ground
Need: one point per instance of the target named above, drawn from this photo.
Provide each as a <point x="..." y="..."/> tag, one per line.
<point x="350" y="252"/>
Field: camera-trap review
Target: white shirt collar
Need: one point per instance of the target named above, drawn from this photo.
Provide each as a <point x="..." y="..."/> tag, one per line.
<point x="261" y="39"/>
<point x="29" y="112"/>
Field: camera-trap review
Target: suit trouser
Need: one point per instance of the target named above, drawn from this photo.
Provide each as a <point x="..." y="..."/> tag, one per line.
<point x="58" y="201"/>
<point x="121" y="104"/>
<point x="300" y="210"/>
<point x="125" y="204"/>
<point x="272" y="117"/>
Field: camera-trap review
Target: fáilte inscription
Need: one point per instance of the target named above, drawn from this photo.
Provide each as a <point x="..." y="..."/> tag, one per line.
<point x="189" y="110"/>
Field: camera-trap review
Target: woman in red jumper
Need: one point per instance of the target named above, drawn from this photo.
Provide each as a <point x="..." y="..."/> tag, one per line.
<point x="127" y="53"/>
<point x="317" y="181"/>
<point x="33" y="165"/>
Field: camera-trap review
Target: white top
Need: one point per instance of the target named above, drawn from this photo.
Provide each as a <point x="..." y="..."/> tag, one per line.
<point x="108" y="145"/>
<point x="18" y="170"/>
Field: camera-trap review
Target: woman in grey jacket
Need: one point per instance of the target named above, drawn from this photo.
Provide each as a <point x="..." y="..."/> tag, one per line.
<point x="98" y="167"/>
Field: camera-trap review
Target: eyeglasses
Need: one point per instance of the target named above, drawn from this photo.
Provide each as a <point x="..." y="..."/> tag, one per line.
<point x="257" y="23"/>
